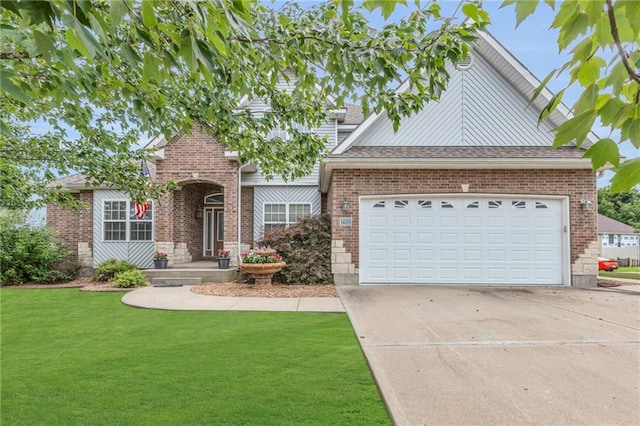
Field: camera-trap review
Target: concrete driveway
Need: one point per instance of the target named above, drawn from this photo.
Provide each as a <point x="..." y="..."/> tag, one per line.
<point x="501" y="356"/>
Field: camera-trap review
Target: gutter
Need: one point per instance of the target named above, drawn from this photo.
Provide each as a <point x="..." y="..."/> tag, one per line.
<point x="239" y="207"/>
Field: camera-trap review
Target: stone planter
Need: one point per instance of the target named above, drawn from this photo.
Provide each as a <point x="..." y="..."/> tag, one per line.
<point x="262" y="272"/>
<point x="161" y="264"/>
<point x="223" y="263"/>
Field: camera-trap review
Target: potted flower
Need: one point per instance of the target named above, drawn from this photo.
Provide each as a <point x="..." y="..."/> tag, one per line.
<point x="160" y="260"/>
<point x="262" y="264"/>
<point x="223" y="259"/>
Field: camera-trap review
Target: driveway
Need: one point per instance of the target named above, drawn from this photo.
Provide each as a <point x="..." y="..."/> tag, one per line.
<point x="501" y="356"/>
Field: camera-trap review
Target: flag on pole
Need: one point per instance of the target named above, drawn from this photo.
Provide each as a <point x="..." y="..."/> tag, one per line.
<point x="140" y="210"/>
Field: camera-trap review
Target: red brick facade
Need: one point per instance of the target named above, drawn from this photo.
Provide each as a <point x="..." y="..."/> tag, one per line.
<point x="352" y="183"/>
<point x="73" y="226"/>
<point x="246" y="213"/>
<point x="198" y="164"/>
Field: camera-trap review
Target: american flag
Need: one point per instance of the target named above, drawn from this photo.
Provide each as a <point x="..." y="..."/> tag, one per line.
<point x="140" y="210"/>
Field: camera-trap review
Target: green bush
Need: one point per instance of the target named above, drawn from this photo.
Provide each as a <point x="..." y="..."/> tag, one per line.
<point x="129" y="278"/>
<point x="30" y="254"/>
<point x="108" y="269"/>
<point x="306" y="248"/>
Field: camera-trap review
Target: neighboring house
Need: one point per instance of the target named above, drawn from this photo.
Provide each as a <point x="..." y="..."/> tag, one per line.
<point x="618" y="240"/>
<point x="468" y="191"/>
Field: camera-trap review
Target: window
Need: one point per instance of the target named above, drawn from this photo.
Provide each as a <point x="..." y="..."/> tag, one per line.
<point x="140" y="229"/>
<point x="540" y="205"/>
<point x="217" y="199"/>
<point x="115" y="220"/>
<point x="473" y="205"/>
<point x="379" y="205"/>
<point x="425" y="204"/>
<point x="446" y="205"/>
<point x="519" y="204"/>
<point x="401" y="204"/>
<point x="120" y="221"/>
<point x="495" y="204"/>
<point x="281" y="215"/>
<point x="278" y="132"/>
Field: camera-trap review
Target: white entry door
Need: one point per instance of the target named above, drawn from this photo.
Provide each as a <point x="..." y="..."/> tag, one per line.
<point x="462" y="240"/>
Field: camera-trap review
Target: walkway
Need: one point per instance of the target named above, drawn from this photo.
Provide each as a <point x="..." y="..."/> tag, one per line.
<point x="183" y="299"/>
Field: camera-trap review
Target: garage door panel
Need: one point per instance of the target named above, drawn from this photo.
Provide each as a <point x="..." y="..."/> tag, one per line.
<point x="425" y="237"/>
<point x="379" y="238"/>
<point x="462" y="240"/>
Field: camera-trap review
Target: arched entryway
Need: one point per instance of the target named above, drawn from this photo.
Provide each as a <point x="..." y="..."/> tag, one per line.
<point x="198" y="219"/>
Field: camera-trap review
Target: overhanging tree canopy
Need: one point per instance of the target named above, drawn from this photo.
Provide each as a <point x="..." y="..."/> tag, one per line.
<point x="110" y="71"/>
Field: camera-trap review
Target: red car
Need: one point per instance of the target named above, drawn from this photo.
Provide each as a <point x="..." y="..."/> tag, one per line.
<point x="607" y="264"/>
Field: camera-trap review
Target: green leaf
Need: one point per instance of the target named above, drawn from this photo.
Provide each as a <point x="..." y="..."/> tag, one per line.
<point x="10" y="88"/>
<point x="631" y="130"/>
<point x="587" y="100"/>
<point x="567" y="10"/>
<point x="627" y="176"/>
<point x="524" y="9"/>
<point x="610" y="110"/>
<point x="551" y="106"/>
<point x="148" y="14"/>
<point x="470" y="10"/>
<point x="542" y="85"/>
<point x="575" y="129"/>
<point x="602" y="152"/>
<point x="117" y="11"/>
<point x="574" y="26"/>
<point x="76" y="43"/>
<point x="45" y="44"/>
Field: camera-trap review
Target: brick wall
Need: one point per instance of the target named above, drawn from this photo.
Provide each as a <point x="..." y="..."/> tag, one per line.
<point x="189" y="160"/>
<point x="65" y="222"/>
<point x="352" y="183"/>
<point x="247" y="216"/>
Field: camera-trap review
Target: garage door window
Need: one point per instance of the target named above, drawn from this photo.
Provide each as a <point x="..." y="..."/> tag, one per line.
<point x="401" y="204"/>
<point x="446" y="205"/>
<point x="495" y="204"/>
<point x="519" y="204"/>
<point x="425" y="204"/>
<point x="473" y="205"/>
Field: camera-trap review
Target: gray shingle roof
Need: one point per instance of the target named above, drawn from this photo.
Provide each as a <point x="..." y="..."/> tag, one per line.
<point x="459" y="152"/>
<point x="354" y="114"/>
<point x="606" y="225"/>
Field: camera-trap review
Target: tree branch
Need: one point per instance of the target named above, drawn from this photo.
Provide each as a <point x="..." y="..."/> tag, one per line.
<point x="14" y="55"/>
<point x="616" y="39"/>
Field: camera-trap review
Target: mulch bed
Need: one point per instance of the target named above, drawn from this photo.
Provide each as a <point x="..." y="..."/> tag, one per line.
<point x="84" y="284"/>
<point x="608" y="283"/>
<point x="236" y="289"/>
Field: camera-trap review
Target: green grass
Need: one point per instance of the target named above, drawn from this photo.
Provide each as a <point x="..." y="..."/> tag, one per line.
<point x="619" y="273"/>
<point x="629" y="269"/>
<point x="71" y="357"/>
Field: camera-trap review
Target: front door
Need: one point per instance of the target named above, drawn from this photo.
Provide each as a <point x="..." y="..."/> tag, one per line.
<point x="213" y="231"/>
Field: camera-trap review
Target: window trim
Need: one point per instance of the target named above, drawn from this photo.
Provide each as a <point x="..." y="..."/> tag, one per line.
<point x="129" y="205"/>
<point x="287" y="204"/>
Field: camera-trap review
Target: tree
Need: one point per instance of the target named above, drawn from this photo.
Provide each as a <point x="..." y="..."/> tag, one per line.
<point x="621" y="206"/>
<point x="604" y="36"/>
<point x="103" y="73"/>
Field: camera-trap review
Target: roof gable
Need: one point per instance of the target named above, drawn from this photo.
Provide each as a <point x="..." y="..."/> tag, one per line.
<point x="485" y="105"/>
<point x="606" y="225"/>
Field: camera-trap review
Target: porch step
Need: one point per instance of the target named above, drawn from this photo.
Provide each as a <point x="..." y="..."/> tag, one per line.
<point x="205" y="275"/>
<point x="174" y="282"/>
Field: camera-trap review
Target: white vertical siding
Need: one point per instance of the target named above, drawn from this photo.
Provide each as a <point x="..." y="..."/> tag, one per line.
<point x="479" y="108"/>
<point x="140" y="253"/>
<point x="285" y="194"/>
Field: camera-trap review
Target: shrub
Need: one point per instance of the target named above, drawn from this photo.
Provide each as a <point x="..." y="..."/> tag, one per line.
<point x="129" y="278"/>
<point x="306" y="247"/>
<point x="110" y="268"/>
<point x="30" y="254"/>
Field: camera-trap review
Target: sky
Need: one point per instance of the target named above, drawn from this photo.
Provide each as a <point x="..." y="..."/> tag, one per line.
<point x="534" y="44"/>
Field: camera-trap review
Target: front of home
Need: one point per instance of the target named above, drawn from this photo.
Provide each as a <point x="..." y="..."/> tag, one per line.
<point x="468" y="191"/>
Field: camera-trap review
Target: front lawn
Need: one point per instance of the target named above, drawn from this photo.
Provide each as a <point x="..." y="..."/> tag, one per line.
<point x="71" y="357"/>
<point x="629" y="269"/>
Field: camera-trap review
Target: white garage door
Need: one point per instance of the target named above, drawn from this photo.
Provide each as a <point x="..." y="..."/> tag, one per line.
<point x="470" y="240"/>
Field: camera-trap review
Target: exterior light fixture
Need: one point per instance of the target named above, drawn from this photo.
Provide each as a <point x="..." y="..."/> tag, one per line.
<point x="586" y="204"/>
<point x="345" y="205"/>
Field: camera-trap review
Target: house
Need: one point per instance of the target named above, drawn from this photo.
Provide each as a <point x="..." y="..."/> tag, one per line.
<point x="617" y="239"/>
<point x="468" y="191"/>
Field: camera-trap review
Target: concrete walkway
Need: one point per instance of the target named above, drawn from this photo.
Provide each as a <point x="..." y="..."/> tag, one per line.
<point x="183" y="299"/>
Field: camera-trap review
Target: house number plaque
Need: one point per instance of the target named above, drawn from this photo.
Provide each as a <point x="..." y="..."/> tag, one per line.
<point x="346" y="221"/>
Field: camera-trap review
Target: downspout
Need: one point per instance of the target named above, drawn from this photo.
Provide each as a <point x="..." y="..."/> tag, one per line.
<point x="239" y="208"/>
